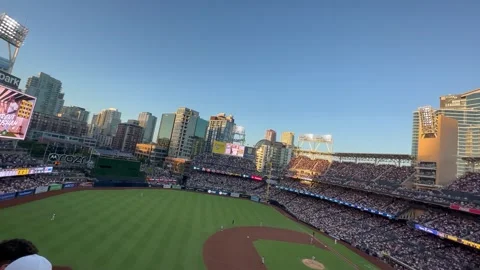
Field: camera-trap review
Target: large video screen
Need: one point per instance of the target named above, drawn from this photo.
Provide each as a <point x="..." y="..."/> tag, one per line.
<point x="16" y="110"/>
<point x="234" y="150"/>
<point x="219" y="147"/>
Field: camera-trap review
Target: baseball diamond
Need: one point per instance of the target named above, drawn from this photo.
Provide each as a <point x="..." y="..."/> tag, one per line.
<point x="165" y="229"/>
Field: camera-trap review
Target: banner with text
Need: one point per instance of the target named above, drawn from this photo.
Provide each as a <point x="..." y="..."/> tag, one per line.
<point x="26" y="192"/>
<point x="69" y="185"/>
<point x="464" y="209"/>
<point x="7" y="196"/>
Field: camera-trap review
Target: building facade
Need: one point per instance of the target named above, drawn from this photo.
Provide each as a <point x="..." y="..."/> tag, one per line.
<point x="148" y="122"/>
<point x="106" y="122"/>
<point x="166" y="128"/>
<point x="288" y="138"/>
<point x="152" y="152"/>
<point x="55" y="124"/>
<point x="51" y="136"/>
<point x="220" y="128"/>
<point x="271" y="135"/>
<point x="183" y="133"/>
<point x="272" y="156"/>
<point x="128" y="136"/>
<point x="47" y="90"/>
<point x="436" y="156"/>
<point x="465" y="108"/>
<point x="75" y="113"/>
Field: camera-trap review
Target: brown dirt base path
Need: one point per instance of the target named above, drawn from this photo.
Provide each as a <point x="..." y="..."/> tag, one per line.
<point x="233" y="248"/>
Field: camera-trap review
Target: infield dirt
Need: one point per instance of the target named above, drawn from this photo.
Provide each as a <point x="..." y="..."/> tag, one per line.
<point x="233" y="248"/>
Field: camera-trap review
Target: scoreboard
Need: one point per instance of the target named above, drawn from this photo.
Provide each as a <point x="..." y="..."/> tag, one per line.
<point x="24" y="171"/>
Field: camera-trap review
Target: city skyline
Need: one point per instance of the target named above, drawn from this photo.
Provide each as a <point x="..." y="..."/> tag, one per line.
<point x="357" y="81"/>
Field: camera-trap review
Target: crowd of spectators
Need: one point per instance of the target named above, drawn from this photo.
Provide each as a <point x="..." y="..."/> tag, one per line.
<point x="469" y="183"/>
<point x="19" y="183"/>
<point x="13" y="159"/>
<point x="374" y="234"/>
<point x="378" y="235"/>
<point x="228" y="183"/>
<point x="302" y="166"/>
<point x="225" y="163"/>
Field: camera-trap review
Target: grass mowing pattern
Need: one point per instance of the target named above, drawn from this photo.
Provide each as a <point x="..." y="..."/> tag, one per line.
<point x="119" y="229"/>
<point x="282" y="255"/>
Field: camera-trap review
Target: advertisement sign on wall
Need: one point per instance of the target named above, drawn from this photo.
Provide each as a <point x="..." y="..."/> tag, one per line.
<point x="7" y="196"/>
<point x="41" y="189"/>
<point x="9" y="80"/>
<point x="55" y="187"/>
<point x="25" y="192"/>
<point x="68" y="185"/>
<point x="16" y="109"/>
<point x="24" y="171"/>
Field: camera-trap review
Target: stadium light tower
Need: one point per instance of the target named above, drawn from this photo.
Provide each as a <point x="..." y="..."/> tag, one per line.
<point x="239" y="135"/>
<point x="14" y="34"/>
<point x="428" y="123"/>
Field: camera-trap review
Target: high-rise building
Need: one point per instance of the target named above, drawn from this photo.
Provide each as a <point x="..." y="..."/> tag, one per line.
<point x="47" y="90"/>
<point x="106" y="122"/>
<point x="183" y="133"/>
<point x="166" y="128"/>
<point x="220" y="128"/>
<point x="465" y="108"/>
<point x="128" y="136"/>
<point x="54" y="124"/>
<point x="271" y="135"/>
<point x="288" y="138"/>
<point x="75" y="113"/>
<point x="272" y="157"/>
<point x="198" y="145"/>
<point x="148" y="122"/>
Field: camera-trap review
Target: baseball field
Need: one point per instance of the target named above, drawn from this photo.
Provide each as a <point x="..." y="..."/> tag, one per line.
<point x="166" y="229"/>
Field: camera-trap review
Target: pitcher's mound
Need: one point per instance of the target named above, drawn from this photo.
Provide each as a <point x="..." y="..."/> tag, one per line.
<point x="313" y="264"/>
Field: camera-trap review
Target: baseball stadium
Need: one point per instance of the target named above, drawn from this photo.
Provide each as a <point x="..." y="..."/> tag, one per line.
<point x="325" y="211"/>
<point x="67" y="204"/>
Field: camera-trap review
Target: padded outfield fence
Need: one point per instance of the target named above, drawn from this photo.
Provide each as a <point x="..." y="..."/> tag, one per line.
<point x="41" y="189"/>
<point x="117" y="184"/>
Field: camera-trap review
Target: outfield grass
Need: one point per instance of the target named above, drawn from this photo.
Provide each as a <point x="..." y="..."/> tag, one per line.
<point x="119" y="229"/>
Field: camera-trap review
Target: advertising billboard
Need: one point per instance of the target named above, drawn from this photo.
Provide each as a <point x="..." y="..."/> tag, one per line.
<point x="9" y="80"/>
<point x="249" y="153"/>
<point x="234" y="150"/>
<point x="16" y="110"/>
<point x="219" y="147"/>
<point x="452" y="102"/>
<point x="7" y="196"/>
<point x="26" y="192"/>
<point x="24" y="171"/>
<point x="41" y="189"/>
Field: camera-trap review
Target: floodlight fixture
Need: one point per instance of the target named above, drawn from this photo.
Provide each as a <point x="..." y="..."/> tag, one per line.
<point x="428" y="122"/>
<point x="14" y="34"/>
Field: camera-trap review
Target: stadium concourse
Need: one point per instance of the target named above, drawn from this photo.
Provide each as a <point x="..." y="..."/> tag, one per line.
<point x="334" y="200"/>
<point x="365" y="205"/>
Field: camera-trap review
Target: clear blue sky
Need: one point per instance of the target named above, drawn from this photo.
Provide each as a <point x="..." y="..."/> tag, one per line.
<point x="353" y="69"/>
